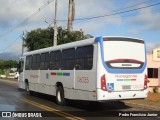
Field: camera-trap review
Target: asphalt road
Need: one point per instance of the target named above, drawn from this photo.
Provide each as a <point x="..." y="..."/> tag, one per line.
<point x="21" y="106"/>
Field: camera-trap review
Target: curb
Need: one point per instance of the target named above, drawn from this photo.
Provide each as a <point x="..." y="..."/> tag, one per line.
<point x="9" y="81"/>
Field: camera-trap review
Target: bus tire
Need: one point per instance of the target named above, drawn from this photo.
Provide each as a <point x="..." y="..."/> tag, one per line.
<point x="28" y="92"/>
<point x="60" y="96"/>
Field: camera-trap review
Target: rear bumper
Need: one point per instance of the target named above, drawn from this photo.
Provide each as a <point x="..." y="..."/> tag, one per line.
<point x="105" y="95"/>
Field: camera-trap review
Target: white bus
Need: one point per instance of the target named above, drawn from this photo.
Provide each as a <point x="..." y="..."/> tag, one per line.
<point x="96" y="69"/>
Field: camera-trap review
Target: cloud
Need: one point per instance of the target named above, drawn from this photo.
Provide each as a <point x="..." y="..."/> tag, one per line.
<point x="157" y="45"/>
<point x="11" y="12"/>
<point x="14" y="12"/>
<point x="150" y="46"/>
<point x="9" y="56"/>
<point x="22" y="9"/>
<point x="133" y="31"/>
<point x="89" y="9"/>
<point x="12" y="52"/>
<point x="12" y="47"/>
<point x="147" y="19"/>
<point x="16" y="47"/>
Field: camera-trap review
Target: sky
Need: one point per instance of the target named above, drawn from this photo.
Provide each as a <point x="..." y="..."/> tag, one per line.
<point x="131" y="18"/>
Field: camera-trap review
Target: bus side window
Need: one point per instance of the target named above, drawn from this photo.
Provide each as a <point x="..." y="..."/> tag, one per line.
<point x="68" y="59"/>
<point x="36" y="62"/>
<point x="84" y="58"/>
<point x="44" y="61"/>
<point x="55" y="60"/>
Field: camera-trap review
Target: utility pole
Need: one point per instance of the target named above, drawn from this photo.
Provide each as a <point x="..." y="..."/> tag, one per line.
<point x="71" y="13"/>
<point x="55" y="25"/>
<point x="23" y="43"/>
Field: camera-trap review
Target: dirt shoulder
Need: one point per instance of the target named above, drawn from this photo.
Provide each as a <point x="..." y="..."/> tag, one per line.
<point x="151" y="102"/>
<point x="10" y="79"/>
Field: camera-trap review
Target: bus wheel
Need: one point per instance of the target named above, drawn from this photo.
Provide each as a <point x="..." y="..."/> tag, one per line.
<point x="28" y="92"/>
<point x="60" y="96"/>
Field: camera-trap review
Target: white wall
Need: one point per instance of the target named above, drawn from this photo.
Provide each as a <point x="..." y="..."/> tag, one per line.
<point x="151" y="63"/>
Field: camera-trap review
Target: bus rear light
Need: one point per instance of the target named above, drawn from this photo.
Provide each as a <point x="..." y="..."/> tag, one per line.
<point x="103" y="82"/>
<point x="145" y="81"/>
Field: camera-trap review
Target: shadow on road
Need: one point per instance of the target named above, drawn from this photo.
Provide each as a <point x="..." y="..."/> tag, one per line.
<point x="98" y="106"/>
<point x="85" y="108"/>
<point x="87" y="105"/>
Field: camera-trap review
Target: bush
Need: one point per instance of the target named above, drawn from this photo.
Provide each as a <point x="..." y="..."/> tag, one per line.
<point x="155" y="89"/>
<point x="2" y="72"/>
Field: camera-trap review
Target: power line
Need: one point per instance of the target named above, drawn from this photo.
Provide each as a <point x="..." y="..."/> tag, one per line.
<point x="111" y="13"/>
<point x="18" y="51"/>
<point x="137" y="4"/>
<point x="27" y="19"/>
<point x="23" y="22"/>
<point x="11" y="44"/>
<point x="120" y="12"/>
<point x="128" y="15"/>
<point x="116" y="13"/>
<point x="89" y="18"/>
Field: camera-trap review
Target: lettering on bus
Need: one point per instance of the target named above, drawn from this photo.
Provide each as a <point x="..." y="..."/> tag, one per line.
<point x="82" y="79"/>
<point x="125" y="76"/>
<point x="34" y="76"/>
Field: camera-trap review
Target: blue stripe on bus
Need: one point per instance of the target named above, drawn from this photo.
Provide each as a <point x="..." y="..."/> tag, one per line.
<point x="66" y="74"/>
<point x="119" y="79"/>
<point x="115" y="70"/>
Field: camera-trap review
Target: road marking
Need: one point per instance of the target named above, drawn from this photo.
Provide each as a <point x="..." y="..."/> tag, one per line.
<point x="56" y="111"/>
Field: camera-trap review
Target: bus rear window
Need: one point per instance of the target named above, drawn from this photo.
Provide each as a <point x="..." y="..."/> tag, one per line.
<point x="124" y="53"/>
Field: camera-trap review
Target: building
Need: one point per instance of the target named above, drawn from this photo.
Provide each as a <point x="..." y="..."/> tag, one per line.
<point x="153" y="64"/>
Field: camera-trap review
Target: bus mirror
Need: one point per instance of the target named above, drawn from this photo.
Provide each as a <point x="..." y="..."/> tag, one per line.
<point x="20" y="67"/>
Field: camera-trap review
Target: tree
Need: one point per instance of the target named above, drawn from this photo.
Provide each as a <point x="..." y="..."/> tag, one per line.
<point x="6" y="64"/>
<point x="42" y="38"/>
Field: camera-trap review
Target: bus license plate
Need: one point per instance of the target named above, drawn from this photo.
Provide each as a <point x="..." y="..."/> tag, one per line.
<point x="126" y="87"/>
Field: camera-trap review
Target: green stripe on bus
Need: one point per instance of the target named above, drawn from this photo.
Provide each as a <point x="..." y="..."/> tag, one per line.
<point x="127" y="79"/>
<point x="59" y="74"/>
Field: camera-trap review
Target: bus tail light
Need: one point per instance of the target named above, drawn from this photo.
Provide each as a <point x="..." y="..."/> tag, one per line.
<point x="103" y="82"/>
<point x="145" y="81"/>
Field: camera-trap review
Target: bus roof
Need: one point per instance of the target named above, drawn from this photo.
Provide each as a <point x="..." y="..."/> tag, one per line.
<point x="63" y="46"/>
<point x="72" y="44"/>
